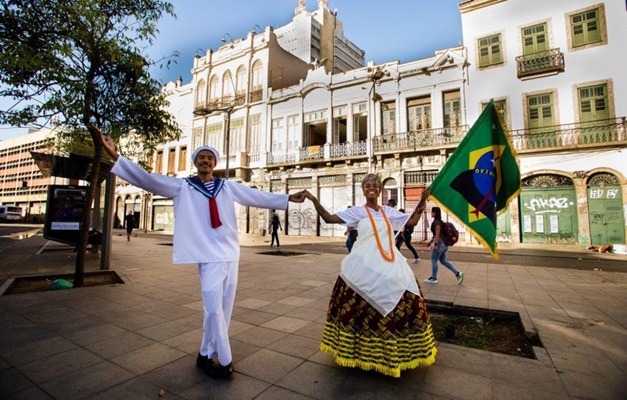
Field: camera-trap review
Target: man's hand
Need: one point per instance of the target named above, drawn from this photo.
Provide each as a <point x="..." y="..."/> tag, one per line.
<point x="297" y="197"/>
<point x="107" y="144"/>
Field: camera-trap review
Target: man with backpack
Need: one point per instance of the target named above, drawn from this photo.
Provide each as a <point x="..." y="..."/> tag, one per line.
<point x="405" y="237"/>
<point x="439" y="247"/>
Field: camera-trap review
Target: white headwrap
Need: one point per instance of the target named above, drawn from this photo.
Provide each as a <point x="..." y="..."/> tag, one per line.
<point x="211" y="149"/>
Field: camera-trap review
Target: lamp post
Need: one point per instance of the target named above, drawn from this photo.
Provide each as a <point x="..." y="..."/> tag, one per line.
<point x="374" y="75"/>
<point x="228" y="110"/>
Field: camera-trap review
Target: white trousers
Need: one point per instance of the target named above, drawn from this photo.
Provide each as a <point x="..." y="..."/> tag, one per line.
<point x="218" y="281"/>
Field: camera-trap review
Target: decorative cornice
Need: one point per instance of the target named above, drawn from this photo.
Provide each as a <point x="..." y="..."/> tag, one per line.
<point x="473" y="5"/>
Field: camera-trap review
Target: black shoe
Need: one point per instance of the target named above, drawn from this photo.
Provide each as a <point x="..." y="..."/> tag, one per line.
<point x="219" y="371"/>
<point x="203" y="361"/>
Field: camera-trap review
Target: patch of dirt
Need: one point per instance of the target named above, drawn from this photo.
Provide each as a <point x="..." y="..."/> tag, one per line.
<point x="282" y="253"/>
<point x="483" y="329"/>
<point x="43" y="283"/>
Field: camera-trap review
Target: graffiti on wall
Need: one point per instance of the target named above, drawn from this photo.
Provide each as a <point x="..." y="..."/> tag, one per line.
<point x="301" y="219"/>
<point x="164" y="217"/>
<point x="599" y="193"/>
<point x="550" y="205"/>
<point x="597" y="218"/>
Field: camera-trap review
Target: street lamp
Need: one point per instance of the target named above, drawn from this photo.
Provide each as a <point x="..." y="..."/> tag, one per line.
<point x="374" y="75"/>
<point x="228" y="110"/>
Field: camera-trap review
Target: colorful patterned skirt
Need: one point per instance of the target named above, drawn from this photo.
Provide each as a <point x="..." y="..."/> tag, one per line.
<point x="357" y="335"/>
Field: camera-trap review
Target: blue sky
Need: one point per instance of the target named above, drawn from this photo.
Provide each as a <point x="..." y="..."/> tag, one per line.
<point x="388" y="30"/>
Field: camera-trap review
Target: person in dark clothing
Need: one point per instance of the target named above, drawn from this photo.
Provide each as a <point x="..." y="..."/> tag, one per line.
<point x="405" y="237"/>
<point x="129" y="220"/>
<point x="275" y="225"/>
<point x="351" y="236"/>
<point x="439" y="249"/>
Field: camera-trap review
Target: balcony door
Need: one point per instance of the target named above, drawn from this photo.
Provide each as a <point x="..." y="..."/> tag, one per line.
<point x="540" y="119"/>
<point x="534" y="39"/>
<point x="419" y="118"/>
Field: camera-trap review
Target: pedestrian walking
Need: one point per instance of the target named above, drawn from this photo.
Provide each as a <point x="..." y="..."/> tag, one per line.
<point x="129" y="220"/>
<point x="275" y="225"/>
<point x="205" y="233"/>
<point x="405" y="237"/>
<point x="377" y="317"/>
<point x="351" y="236"/>
<point x="439" y="249"/>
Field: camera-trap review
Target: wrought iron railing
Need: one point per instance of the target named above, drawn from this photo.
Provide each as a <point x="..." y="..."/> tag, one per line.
<point x="348" y="149"/>
<point x="540" y="63"/>
<point x="589" y="134"/>
<point x="256" y="95"/>
<point x="240" y="99"/>
<point x="311" y="153"/>
<point x="281" y="158"/>
<point x="415" y="140"/>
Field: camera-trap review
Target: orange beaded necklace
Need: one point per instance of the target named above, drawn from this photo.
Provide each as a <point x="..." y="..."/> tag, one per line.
<point x="387" y="256"/>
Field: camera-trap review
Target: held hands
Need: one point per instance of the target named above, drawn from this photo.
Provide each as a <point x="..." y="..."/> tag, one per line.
<point x="298" y="197"/>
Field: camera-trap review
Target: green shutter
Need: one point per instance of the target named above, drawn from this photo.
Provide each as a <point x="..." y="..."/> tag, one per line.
<point x="534" y="39"/>
<point x="586" y="28"/>
<point x="593" y="103"/>
<point x="490" y="50"/>
<point x="540" y="111"/>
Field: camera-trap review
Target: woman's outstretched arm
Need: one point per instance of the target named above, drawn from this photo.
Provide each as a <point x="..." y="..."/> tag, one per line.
<point x="417" y="214"/>
<point x="324" y="214"/>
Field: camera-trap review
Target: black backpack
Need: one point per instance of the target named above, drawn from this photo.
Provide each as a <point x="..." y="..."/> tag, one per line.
<point x="449" y="233"/>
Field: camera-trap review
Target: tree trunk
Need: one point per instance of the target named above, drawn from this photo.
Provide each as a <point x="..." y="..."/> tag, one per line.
<point x="81" y="248"/>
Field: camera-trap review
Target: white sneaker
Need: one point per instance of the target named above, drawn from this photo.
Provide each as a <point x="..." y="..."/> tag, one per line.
<point x="416" y="260"/>
<point x="460" y="278"/>
<point x="431" y="280"/>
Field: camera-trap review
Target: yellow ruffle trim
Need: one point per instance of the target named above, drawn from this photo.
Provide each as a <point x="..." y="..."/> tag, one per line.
<point x="368" y="366"/>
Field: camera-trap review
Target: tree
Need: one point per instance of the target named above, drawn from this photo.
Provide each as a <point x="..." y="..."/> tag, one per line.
<point x="83" y="63"/>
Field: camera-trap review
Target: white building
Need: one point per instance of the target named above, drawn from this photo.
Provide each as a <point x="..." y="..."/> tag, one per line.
<point x="398" y="119"/>
<point x="556" y="69"/>
<point x="317" y="37"/>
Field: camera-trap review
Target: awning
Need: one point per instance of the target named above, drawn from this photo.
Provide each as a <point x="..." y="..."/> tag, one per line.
<point x="76" y="166"/>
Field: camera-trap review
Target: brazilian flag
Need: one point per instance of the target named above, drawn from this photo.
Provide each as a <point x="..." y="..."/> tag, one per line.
<point x="480" y="178"/>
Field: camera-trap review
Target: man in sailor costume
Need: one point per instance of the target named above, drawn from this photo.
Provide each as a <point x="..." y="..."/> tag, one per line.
<point x="205" y="232"/>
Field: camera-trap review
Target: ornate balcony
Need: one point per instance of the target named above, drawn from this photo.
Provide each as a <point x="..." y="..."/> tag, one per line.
<point x="587" y="134"/>
<point x="343" y="150"/>
<point x="548" y="62"/>
<point x="416" y="140"/>
<point x="256" y="95"/>
<point x="311" y="153"/>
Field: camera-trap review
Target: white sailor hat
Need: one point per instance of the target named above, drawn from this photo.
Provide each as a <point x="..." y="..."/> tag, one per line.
<point x="215" y="152"/>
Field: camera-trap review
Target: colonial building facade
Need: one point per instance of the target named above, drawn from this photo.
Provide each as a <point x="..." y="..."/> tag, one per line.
<point x="556" y="71"/>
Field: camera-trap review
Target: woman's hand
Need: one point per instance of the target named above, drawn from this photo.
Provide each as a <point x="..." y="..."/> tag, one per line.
<point x="298" y="197"/>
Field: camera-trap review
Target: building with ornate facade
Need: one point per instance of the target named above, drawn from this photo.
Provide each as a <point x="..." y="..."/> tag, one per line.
<point x="556" y="71"/>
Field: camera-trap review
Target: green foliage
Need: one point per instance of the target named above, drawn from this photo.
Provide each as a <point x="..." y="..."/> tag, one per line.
<point x="83" y="62"/>
<point x="82" y="65"/>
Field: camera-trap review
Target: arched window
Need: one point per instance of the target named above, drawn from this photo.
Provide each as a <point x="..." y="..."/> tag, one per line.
<point x="257" y="81"/>
<point x="214" y="93"/>
<point x="201" y="93"/>
<point x="228" y="90"/>
<point x="240" y="85"/>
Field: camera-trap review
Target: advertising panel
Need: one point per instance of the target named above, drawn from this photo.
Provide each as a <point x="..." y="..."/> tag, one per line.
<point x="63" y="214"/>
